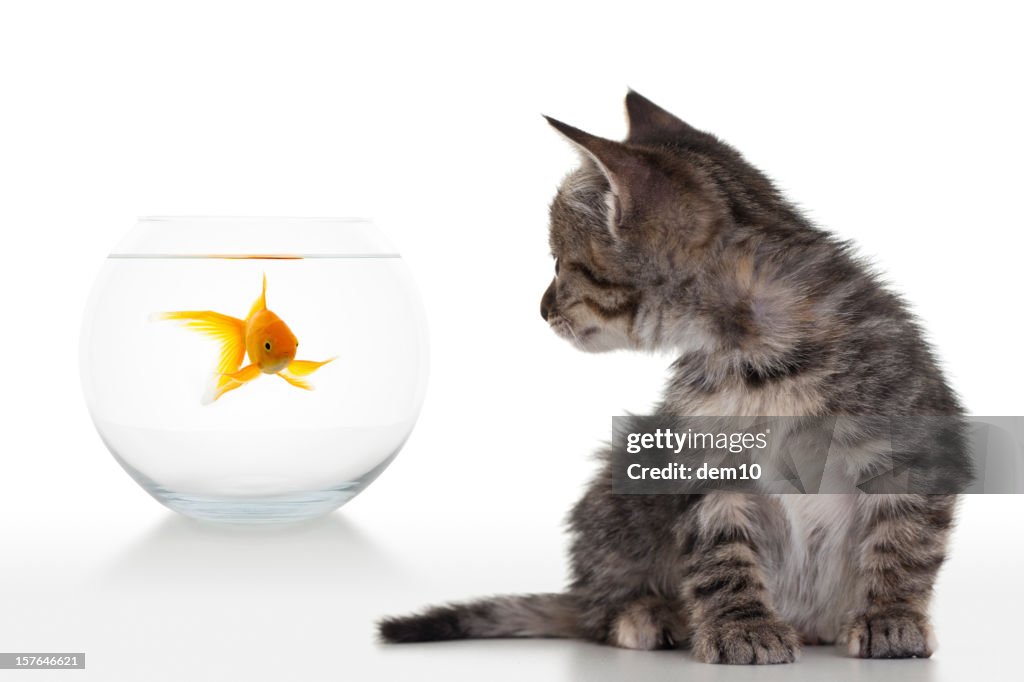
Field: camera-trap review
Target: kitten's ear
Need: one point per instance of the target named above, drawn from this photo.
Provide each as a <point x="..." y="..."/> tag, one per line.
<point x="649" y="123"/>
<point x="628" y="171"/>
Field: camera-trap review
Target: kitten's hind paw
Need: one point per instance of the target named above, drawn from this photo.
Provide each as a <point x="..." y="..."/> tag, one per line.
<point x="760" y="641"/>
<point x="891" y="634"/>
<point x="649" y="624"/>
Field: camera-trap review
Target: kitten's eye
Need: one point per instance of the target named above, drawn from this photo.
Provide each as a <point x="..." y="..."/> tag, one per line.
<point x="267" y="345"/>
<point x="556" y="267"/>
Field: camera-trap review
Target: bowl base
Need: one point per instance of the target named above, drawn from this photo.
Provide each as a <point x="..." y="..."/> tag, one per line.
<point x="254" y="510"/>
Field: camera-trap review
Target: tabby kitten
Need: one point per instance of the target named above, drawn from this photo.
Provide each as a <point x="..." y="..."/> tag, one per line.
<point x="670" y="240"/>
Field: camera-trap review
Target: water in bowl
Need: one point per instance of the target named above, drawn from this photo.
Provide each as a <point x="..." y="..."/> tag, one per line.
<point x="267" y="451"/>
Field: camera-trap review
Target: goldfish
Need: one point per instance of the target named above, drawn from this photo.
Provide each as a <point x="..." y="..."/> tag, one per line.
<point x="262" y="335"/>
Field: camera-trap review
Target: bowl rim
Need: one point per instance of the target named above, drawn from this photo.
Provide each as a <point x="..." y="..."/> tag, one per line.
<point x="253" y="236"/>
<point x="254" y="218"/>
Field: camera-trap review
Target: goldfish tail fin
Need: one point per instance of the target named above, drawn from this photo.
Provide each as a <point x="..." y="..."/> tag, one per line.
<point x="294" y="380"/>
<point x="303" y="368"/>
<point x="261" y="302"/>
<point x="228" y="331"/>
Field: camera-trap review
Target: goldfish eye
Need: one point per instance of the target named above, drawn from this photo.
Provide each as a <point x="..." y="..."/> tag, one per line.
<point x="267" y="345"/>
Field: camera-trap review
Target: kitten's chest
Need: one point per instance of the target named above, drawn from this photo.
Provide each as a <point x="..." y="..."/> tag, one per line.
<point x="813" y="578"/>
<point x="798" y="396"/>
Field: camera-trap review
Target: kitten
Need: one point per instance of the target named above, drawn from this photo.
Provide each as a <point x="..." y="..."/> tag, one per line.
<point x="671" y="241"/>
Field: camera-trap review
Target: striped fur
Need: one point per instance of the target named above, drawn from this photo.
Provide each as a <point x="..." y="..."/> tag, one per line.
<point x="672" y="241"/>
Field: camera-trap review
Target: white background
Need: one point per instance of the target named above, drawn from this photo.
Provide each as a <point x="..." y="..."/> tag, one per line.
<point x="898" y="126"/>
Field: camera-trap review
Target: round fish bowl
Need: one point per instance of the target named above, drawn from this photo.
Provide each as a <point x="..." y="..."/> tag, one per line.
<point x="254" y="369"/>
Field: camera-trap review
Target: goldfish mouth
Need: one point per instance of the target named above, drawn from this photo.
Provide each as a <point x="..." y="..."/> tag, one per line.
<point x="275" y="367"/>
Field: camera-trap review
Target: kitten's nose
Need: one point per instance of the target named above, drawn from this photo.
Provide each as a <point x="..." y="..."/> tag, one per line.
<point x="547" y="301"/>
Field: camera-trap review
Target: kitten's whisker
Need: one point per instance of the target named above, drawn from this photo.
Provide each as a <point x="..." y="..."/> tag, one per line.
<point x="562" y="323"/>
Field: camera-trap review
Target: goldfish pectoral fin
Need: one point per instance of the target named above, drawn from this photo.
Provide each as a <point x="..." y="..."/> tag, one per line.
<point x="219" y="388"/>
<point x="228" y="331"/>
<point x="229" y="382"/>
<point x="303" y="368"/>
<point x="244" y="375"/>
<point x="294" y="380"/>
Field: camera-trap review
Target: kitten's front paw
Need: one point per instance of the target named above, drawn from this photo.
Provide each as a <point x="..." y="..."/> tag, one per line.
<point x="760" y="641"/>
<point x="890" y="634"/>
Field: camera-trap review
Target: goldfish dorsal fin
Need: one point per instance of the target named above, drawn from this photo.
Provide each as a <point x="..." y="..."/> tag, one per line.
<point x="261" y="302"/>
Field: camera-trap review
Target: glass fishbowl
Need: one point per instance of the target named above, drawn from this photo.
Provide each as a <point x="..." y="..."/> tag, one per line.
<point x="254" y="369"/>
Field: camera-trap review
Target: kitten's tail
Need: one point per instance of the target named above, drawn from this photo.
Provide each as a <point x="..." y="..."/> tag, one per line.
<point x="528" y="615"/>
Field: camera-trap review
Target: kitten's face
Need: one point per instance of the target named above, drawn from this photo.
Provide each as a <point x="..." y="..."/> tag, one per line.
<point x="637" y="230"/>
<point x="593" y="301"/>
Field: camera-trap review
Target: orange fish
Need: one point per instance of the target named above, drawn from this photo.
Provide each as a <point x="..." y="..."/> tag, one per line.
<point x="264" y="336"/>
